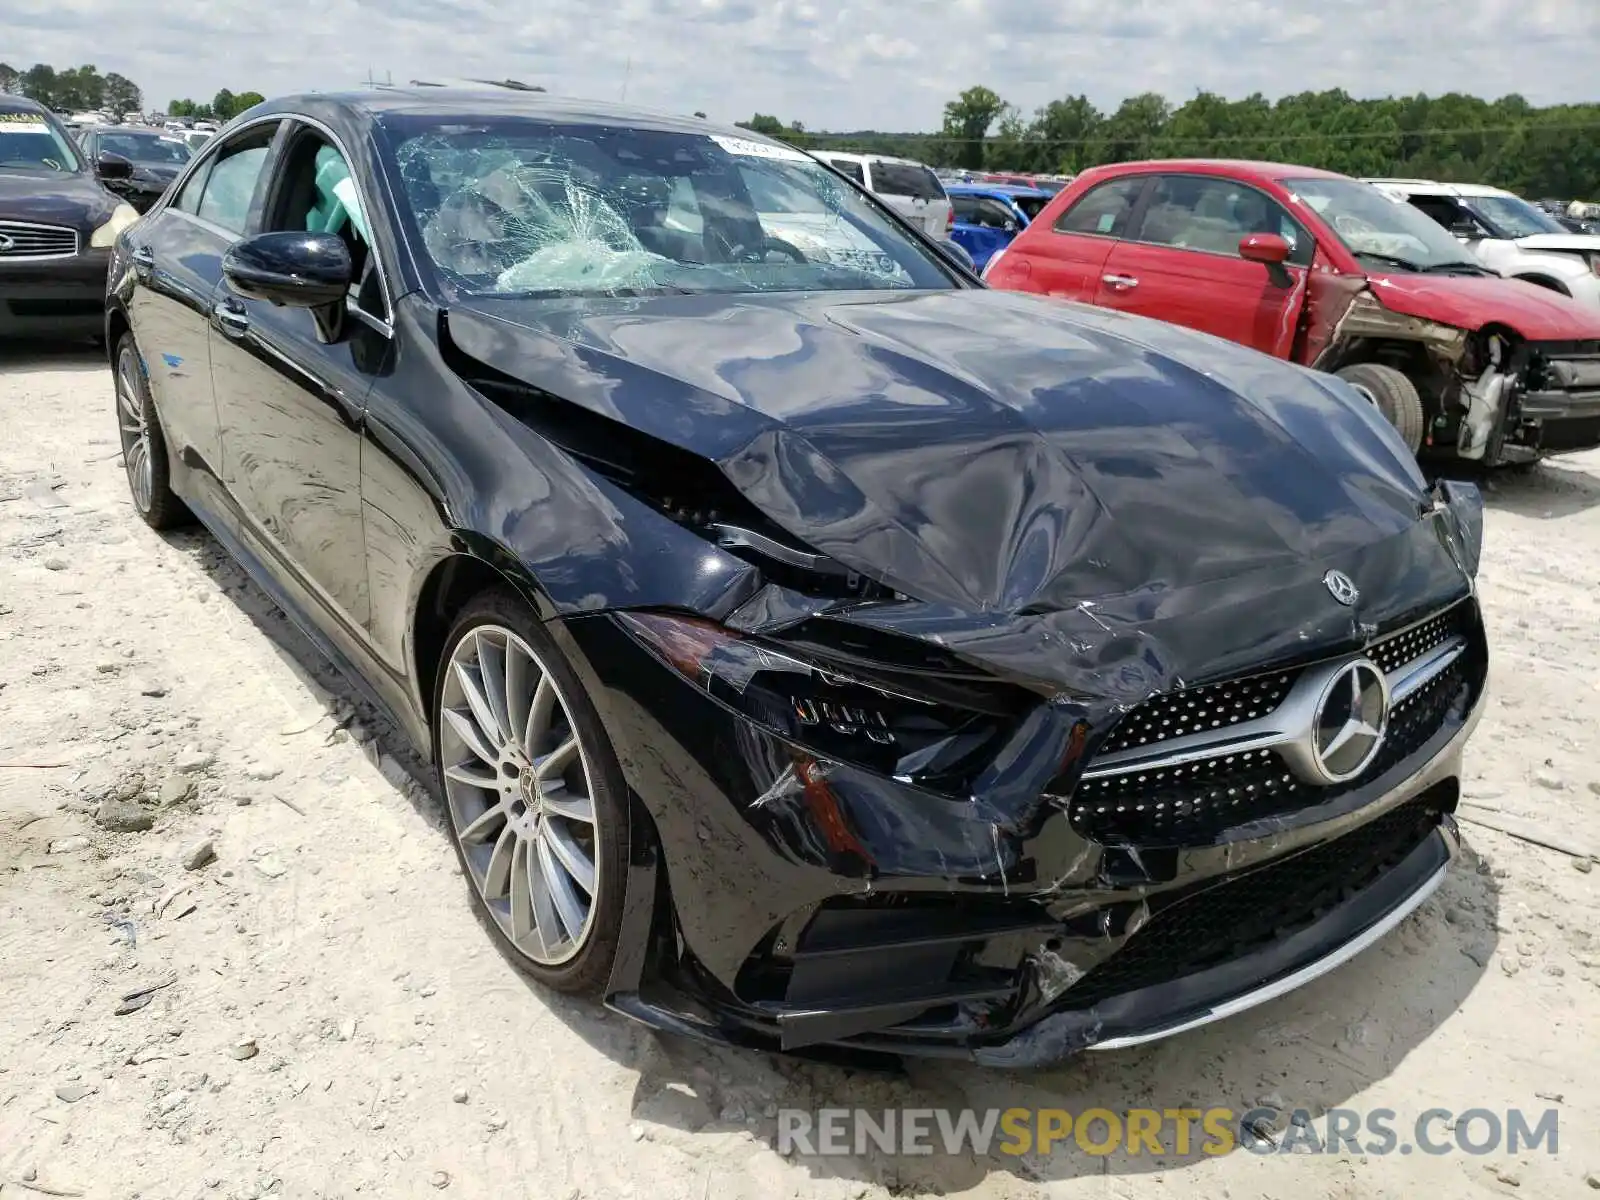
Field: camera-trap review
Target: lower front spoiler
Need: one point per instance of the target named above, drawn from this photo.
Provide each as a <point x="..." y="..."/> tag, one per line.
<point x="1129" y="1019"/>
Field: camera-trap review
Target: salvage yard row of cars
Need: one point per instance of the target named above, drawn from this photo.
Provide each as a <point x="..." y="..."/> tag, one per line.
<point x="818" y="648"/>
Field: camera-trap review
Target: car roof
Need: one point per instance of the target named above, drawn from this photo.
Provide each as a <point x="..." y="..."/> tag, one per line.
<point x="445" y="103"/>
<point x="849" y="156"/>
<point x="994" y="189"/>
<point x="1429" y="187"/>
<point x="21" y="104"/>
<point x="1241" y="168"/>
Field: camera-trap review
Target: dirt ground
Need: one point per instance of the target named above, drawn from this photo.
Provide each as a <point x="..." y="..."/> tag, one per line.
<point x="328" y="1019"/>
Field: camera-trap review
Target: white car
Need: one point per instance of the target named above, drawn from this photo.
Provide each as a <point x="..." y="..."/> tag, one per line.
<point x="908" y="187"/>
<point x="1507" y="234"/>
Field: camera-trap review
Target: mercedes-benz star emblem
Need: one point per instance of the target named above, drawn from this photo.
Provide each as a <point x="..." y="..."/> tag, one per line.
<point x="1341" y="587"/>
<point x="1352" y="718"/>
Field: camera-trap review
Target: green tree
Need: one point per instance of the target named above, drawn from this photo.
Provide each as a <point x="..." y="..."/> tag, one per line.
<point x="223" y="105"/>
<point x="122" y="94"/>
<point x="10" y="79"/>
<point x="967" y="119"/>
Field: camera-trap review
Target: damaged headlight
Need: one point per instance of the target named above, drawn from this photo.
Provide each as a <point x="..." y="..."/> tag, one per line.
<point x="121" y="218"/>
<point x="838" y="716"/>
<point x="1465" y="504"/>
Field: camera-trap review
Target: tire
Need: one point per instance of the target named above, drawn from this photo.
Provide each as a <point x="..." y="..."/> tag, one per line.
<point x="1395" y="396"/>
<point x="503" y="803"/>
<point x="144" y="446"/>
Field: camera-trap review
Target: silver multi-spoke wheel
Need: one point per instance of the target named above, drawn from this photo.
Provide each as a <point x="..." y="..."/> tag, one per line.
<point x="519" y="789"/>
<point x="135" y="432"/>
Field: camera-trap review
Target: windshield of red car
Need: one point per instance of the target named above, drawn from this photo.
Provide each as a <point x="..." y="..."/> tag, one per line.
<point x="514" y="206"/>
<point x="29" y="142"/>
<point x="1375" y="225"/>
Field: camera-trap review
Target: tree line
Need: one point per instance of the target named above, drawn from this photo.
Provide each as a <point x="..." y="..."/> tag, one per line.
<point x="84" y="89"/>
<point x="1537" y="151"/>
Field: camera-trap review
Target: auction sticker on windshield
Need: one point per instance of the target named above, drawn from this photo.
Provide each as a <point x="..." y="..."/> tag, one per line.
<point x="22" y="123"/>
<point x="751" y="149"/>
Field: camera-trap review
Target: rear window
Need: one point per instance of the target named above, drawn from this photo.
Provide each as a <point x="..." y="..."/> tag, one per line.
<point x="848" y="166"/>
<point x="905" y="179"/>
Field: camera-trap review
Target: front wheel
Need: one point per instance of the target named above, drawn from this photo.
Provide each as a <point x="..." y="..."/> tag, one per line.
<point x="535" y="795"/>
<point x="1395" y="397"/>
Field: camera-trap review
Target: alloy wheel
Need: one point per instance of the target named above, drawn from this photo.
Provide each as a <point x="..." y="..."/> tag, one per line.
<point x="135" y="426"/>
<point x="518" y="787"/>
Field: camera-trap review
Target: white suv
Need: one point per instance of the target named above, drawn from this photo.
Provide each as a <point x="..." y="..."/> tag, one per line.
<point x="908" y="187"/>
<point x="1507" y="234"/>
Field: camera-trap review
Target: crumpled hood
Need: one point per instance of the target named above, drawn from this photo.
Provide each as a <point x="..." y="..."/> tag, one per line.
<point x="1471" y="302"/>
<point x="987" y="451"/>
<point x="54" y="198"/>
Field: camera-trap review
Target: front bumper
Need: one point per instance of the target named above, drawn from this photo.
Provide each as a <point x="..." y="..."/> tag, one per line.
<point x="1558" y="409"/>
<point x="54" y="297"/>
<point x="846" y="913"/>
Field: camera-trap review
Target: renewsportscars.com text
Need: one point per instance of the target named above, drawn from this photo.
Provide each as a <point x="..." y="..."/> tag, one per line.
<point x="1164" y="1131"/>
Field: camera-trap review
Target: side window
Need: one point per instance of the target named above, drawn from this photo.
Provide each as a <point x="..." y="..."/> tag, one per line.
<point x="1450" y="213"/>
<point x="1193" y="213"/>
<point x="316" y="191"/>
<point x="850" y="168"/>
<point x="966" y="208"/>
<point x="1104" y="209"/>
<point x="994" y="215"/>
<point x="230" y="183"/>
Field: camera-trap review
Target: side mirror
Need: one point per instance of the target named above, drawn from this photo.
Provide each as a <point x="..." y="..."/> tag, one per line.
<point x="957" y="253"/>
<point x="1264" y="248"/>
<point x="1272" y="251"/>
<point x="300" y="270"/>
<point x="113" y="166"/>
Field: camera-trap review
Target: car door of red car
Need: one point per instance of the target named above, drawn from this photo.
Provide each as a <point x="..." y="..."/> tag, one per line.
<point x="1065" y="258"/>
<point x="1182" y="264"/>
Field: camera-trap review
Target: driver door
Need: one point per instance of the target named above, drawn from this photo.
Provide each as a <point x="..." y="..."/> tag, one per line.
<point x="291" y="404"/>
<point x="1181" y="263"/>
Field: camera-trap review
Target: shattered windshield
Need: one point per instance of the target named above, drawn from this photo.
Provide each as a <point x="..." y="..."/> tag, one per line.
<point x="1513" y="217"/>
<point x="1378" y="225"/>
<point x="530" y="208"/>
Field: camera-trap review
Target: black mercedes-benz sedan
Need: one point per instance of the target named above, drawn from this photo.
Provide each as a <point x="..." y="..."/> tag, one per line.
<point x="816" y="648"/>
<point x="156" y="157"/>
<point x="57" y="223"/>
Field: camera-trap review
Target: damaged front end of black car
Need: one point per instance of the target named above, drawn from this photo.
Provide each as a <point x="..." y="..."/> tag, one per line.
<point x="998" y="715"/>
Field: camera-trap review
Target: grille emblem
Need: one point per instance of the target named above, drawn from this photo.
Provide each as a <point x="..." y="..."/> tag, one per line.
<point x="1352" y="717"/>
<point x="1341" y="587"/>
<point x="6" y="244"/>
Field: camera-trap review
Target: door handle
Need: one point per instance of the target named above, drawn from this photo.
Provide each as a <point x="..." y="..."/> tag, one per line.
<point x="231" y="317"/>
<point x="144" y="260"/>
<point x="1121" y="283"/>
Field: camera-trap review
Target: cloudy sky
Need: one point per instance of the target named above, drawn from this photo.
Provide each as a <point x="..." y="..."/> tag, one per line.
<point x="886" y="64"/>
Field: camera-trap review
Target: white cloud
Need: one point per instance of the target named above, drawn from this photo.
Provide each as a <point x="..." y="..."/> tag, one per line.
<point x="885" y="65"/>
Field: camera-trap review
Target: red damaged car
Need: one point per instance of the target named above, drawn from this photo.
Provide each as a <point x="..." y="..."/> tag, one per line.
<point x="1330" y="273"/>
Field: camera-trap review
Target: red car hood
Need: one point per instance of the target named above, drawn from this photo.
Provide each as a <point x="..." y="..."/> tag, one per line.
<point x="1471" y="302"/>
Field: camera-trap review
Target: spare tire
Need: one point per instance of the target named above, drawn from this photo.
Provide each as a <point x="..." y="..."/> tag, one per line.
<point x="1395" y="396"/>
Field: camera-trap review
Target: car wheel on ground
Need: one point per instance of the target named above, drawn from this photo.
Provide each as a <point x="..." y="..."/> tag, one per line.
<point x="144" y="448"/>
<point x="1395" y="396"/>
<point x="534" y="795"/>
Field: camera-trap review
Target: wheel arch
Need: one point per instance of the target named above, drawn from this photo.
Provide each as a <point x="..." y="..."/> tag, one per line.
<point x="117" y="324"/>
<point x="474" y="564"/>
<point x="1544" y="281"/>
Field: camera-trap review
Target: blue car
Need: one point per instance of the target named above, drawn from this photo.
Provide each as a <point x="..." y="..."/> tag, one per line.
<point x="990" y="215"/>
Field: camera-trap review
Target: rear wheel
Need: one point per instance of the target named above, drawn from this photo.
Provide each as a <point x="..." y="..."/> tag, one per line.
<point x="534" y="794"/>
<point x="1395" y="397"/>
<point x="144" y="446"/>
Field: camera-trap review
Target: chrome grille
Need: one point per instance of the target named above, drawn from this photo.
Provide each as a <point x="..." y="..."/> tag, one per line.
<point x="1188" y="802"/>
<point x="19" y="239"/>
<point x="1196" y="710"/>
